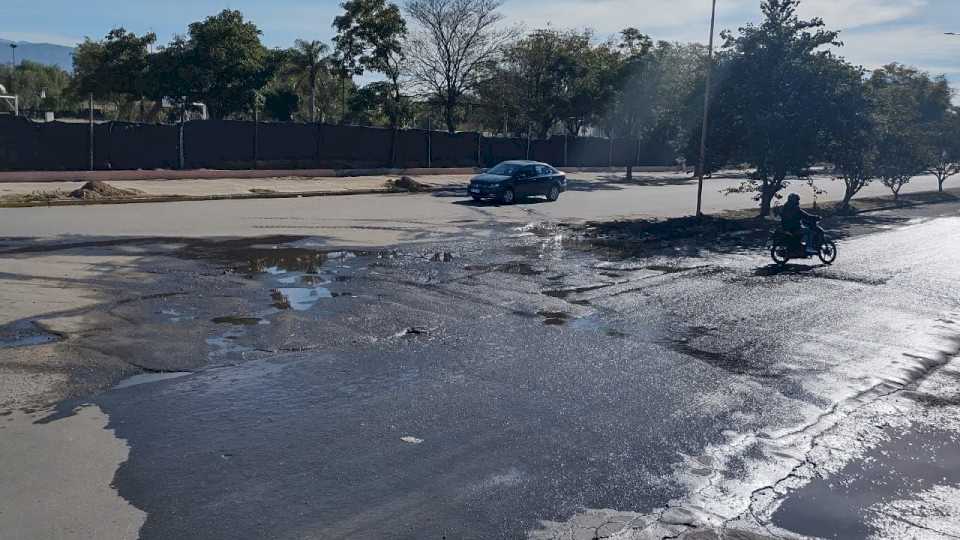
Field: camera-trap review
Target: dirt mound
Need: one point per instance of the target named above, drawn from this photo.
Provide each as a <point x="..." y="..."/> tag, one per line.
<point x="407" y="184"/>
<point x="102" y="190"/>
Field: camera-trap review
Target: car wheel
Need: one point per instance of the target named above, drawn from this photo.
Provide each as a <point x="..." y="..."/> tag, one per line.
<point x="508" y="196"/>
<point x="554" y="193"/>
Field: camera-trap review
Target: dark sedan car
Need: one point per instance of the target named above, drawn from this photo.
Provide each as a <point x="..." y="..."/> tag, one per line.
<point x="513" y="180"/>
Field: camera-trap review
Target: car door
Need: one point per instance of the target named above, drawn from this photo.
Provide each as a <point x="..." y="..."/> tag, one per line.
<point x="527" y="181"/>
<point x="545" y="179"/>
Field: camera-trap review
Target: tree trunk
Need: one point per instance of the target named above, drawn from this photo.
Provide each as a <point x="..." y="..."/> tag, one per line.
<point x="847" y="196"/>
<point x="343" y="100"/>
<point x="940" y="179"/>
<point x="767" y="191"/>
<point x="448" y="111"/>
<point x="313" y="101"/>
<point x="765" y="203"/>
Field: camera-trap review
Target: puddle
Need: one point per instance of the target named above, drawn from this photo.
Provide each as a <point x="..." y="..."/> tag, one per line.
<point x="175" y="316"/>
<point x="843" y="505"/>
<point x="147" y="378"/>
<point x="519" y="268"/>
<point x="239" y="321"/>
<point x="25" y="335"/>
<point x="595" y="323"/>
<point x="299" y="299"/>
<point x="226" y="344"/>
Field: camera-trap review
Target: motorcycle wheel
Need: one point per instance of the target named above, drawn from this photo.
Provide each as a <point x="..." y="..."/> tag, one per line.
<point x="827" y="251"/>
<point x="780" y="254"/>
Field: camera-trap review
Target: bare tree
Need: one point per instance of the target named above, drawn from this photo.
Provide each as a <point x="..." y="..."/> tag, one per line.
<point x="454" y="41"/>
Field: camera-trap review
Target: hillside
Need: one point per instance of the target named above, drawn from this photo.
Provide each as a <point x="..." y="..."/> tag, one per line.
<point x="43" y="53"/>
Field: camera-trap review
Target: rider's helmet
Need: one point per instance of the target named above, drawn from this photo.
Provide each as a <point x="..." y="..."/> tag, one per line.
<point x="794" y="198"/>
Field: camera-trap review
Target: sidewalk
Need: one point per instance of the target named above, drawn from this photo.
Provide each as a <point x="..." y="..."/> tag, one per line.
<point x="52" y="193"/>
<point x="45" y="193"/>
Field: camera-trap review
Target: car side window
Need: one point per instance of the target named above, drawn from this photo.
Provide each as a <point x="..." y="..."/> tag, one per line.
<point x="530" y="171"/>
<point x="543" y="170"/>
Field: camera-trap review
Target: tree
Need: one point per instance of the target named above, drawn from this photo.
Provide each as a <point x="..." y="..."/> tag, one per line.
<point x="554" y="77"/>
<point x="281" y="104"/>
<point x="539" y="75"/>
<point x="370" y="35"/>
<point x="114" y="67"/>
<point x="945" y="148"/>
<point x="306" y="62"/>
<point x="34" y="81"/>
<point x="171" y="74"/>
<point x="909" y="105"/>
<point x="455" y="41"/>
<point x="851" y="136"/>
<point x="777" y="94"/>
<point x="228" y="61"/>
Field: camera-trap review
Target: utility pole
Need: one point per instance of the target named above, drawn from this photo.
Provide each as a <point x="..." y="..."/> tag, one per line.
<point x="91" y="131"/>
<point x="706" y="113"/>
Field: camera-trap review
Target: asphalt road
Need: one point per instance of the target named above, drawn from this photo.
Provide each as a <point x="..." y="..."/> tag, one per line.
<point x="495" y="381"/>
<point x="363" y="220"/>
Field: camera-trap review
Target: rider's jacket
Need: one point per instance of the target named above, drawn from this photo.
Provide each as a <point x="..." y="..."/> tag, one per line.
<point x="792" y="217"/>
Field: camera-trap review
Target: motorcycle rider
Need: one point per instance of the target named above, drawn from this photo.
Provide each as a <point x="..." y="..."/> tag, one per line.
<point x="792" y="219"/>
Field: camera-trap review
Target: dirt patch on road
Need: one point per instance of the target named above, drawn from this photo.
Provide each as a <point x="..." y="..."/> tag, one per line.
<point x="91" y="191"/>
<point x="102" y="190"/>
<point x="405" y="184"/>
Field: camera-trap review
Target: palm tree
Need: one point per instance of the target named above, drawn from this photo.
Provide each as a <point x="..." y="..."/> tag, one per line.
<point x="307" y="61"/>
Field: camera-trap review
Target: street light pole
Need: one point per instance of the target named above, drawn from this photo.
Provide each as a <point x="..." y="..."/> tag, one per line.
<point x="706" y="112"/>
<point x="13" y="51"/>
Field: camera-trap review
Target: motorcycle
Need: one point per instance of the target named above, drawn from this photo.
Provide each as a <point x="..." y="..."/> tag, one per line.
<point x="785" y="246"/>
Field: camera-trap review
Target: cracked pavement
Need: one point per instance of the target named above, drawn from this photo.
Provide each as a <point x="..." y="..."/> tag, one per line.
<point x="517" y="380"/>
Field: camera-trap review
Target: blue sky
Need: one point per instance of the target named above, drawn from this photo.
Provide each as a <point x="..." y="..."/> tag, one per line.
<point x="875" y="31"/>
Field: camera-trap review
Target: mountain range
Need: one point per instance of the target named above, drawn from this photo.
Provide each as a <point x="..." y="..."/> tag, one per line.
<point x="42" y="53"/>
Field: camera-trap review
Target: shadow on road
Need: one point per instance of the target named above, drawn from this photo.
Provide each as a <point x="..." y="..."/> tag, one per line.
<point x="786" y="269"/>
<point x="496" y="204"/>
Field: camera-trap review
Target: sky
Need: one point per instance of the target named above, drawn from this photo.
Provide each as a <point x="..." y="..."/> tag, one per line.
<point x="875" y="32"/>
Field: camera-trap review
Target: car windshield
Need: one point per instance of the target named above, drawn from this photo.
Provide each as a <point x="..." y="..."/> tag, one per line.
<point x="505" y="169"/>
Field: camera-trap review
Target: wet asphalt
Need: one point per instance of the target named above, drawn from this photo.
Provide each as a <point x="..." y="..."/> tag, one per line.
<point x="480" y="389"/>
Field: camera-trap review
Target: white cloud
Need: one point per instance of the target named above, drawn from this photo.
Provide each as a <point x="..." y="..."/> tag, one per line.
<point x="857" y="13"/>
<point x="608" y="16"/>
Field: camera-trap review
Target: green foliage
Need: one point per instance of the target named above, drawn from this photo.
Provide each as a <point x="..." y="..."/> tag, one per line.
<point x="29" y="80"/>
<point x="281" y="104"/>
<point x="556" y="77"/>
<point x="307" y="63"/>
<point x="944" y="143"/>
<point x="909" y="105"/>
<point x="661" y="95"/>
<point x="779" y="90"/>
<point x="227" y="63"/>
<point x="851" y="143"/>
<point x="370" y="35"/>
<point x="114" y="68"/>
<point x="374" y="105"/>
